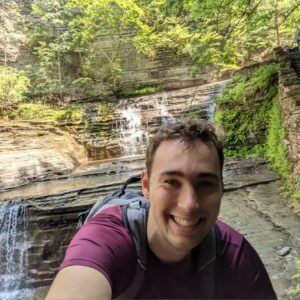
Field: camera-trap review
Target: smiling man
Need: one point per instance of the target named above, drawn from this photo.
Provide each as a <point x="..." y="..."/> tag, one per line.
<point x="183" y="183"/>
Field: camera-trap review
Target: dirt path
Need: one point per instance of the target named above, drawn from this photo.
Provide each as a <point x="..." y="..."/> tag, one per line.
<point x="268" y="226"/>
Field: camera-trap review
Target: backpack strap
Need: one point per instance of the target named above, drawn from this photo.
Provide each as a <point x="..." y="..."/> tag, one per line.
<point x="207" y="264"/>
<point x="132" y="179"/>
<point x="135" y="217"/>
<point x="118" y="197"/>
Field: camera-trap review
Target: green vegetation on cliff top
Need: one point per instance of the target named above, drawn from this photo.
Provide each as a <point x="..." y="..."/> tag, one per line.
<point x="64" y="33"/>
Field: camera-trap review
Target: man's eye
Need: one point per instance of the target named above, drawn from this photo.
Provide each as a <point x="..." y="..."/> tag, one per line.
<point x="206" y="184"/>
<point x="172" y="182"/>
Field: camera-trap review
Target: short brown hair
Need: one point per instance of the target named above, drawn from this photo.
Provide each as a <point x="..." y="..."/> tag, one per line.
<point x="188" y="131"/>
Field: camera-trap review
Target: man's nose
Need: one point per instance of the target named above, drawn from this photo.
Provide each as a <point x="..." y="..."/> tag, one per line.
<point x="189" y="199"/>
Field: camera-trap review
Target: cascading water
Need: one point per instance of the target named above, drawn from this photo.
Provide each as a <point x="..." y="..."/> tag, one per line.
<point x="212" y="107"/>
<point x="133" y="136"/>
<point x="14" y="242"/>
<point x="159" y="109"/>
<point x="162" y="110"/>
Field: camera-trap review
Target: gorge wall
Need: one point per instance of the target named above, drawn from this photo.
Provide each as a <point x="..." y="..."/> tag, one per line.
<point x="289" y="97"/>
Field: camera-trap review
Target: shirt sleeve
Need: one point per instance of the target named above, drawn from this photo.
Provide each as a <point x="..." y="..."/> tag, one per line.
<point x="250" y="279"/>
<point x="105" y="244"/>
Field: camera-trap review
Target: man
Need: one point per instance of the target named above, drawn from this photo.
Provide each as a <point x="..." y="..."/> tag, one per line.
<point x="183" y="183"/>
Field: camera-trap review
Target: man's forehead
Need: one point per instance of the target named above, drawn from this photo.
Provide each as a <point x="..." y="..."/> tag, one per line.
<point x="181" y="146"/>
<point x="173" y="154"/>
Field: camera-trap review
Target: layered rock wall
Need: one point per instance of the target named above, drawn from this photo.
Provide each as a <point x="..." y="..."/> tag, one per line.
<point x="50" y="230"/>
<point x="166" y="69"/>
<point x="289" y="97"/>
<point x="32" y="152"/>
<point x="106" y="137"/>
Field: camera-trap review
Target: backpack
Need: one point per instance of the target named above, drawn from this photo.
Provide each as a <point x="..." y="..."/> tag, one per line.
<point x="134" y="215"/>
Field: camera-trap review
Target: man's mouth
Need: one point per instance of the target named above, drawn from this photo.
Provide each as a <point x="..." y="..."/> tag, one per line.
<point x="185" y="222"/>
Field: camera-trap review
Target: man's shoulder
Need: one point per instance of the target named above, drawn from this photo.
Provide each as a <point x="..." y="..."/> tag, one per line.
<point x="105" y="244"/>
<point x="228" y="235"/>
<point x="240" y="268"/>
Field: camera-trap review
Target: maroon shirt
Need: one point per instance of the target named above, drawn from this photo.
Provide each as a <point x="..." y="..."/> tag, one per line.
<point x="105" y="244"/>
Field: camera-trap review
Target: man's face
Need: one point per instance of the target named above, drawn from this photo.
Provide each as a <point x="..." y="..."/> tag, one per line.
<point x="185" y="191"/>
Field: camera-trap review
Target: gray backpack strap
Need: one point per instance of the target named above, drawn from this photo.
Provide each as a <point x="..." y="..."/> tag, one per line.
<point x="207" y="264"/>
<point x="119" y="197"/>
<point x="135" y="217"/>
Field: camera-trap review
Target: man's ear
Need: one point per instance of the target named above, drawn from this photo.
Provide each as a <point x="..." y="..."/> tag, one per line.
<point x="145" y="184"/>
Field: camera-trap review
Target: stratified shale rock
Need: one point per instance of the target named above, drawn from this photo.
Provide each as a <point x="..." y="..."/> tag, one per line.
<point x="29" y="153"/>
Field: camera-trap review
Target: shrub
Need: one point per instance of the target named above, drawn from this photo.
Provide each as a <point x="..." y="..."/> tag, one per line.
<point x="243" y="110"/>
<point x="13" y="87"/>
<point x="39" y="111"/>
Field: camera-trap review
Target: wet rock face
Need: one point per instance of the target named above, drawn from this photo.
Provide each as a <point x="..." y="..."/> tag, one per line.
<point x="50" y="232"/>
<point x="29" y="153"/>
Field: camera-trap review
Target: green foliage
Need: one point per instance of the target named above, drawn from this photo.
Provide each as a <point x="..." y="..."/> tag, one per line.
<point x="50" y="41"/>
<point x="244" y="106"/>
<point x="277" y="150"/>
<point x="13" y="88"/>
<point x="249" y="108"/>
<point x="296" y="193"/>
<point x="228" y="34"/>
<point x="140" y="91"/>
<point x="39" y="111"/>
<point x="244" y="151"/>
<point x="30" y="111"/>
<point x="96" y="18"/>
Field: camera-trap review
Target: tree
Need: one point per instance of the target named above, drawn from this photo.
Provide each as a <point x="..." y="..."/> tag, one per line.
<point x="227" y="32"/>
<point x="13" y="83"/>
<point x="119" y="19"/>
<point x="50" y="41"/>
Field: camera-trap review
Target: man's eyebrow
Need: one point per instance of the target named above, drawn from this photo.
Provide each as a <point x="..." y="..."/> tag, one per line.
<point x="181" y="174"/>
<point x="172" y="172"/>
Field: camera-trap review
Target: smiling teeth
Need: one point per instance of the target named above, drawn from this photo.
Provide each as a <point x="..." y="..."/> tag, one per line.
<point x="185" y="222"/>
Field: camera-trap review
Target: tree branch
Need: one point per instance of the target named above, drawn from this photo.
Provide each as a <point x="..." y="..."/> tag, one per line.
<point x="289" y="13"/>
<point x="243" y="15"/>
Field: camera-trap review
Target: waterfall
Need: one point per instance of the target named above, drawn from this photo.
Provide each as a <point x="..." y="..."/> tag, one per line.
<point x="212" y="107"/>
<point x="132" y="134"/>
<point x="162" y="110"/>
<point x="14" y="242"/>
<point x="158" y="109"/>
